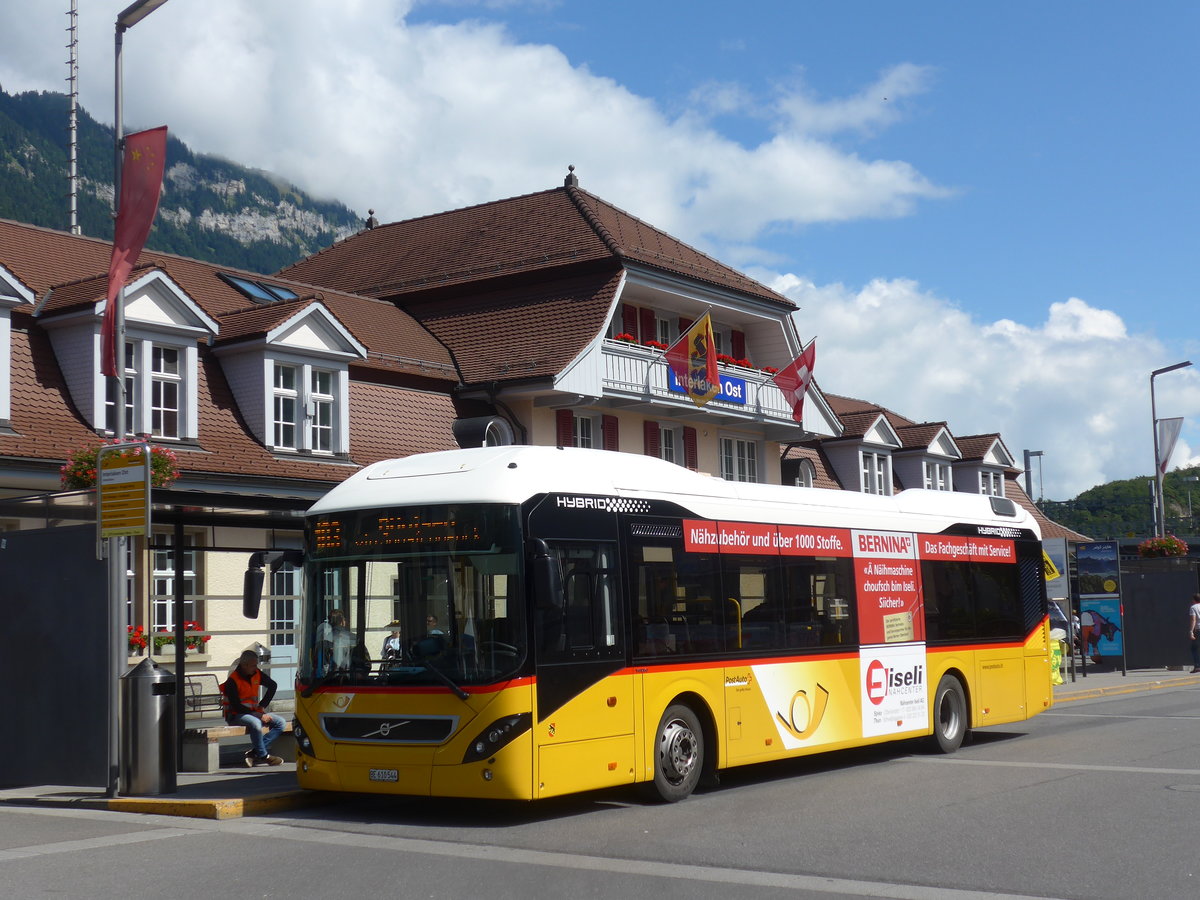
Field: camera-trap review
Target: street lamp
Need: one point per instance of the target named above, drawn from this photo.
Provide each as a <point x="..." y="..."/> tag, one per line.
<point x="117" y="638"/>
<point x="1159" y="519"/>
<point x="1029" y="455"/>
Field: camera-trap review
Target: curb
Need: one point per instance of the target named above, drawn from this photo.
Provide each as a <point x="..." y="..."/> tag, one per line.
<point x="1118" y="689"/>
<point x="223" y="808"/>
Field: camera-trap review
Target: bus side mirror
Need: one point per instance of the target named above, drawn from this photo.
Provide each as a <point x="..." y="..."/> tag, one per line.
<point x="252" y="586"/>
<point x="252" y="583"/>
<point x="547" y="577"/>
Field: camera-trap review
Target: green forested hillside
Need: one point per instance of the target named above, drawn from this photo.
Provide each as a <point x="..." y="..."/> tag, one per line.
<point x="1123" y="509"/>
<point x="210" y="209"/>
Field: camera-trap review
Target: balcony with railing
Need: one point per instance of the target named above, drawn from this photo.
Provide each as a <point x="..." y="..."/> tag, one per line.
<point x="634" y="373"/>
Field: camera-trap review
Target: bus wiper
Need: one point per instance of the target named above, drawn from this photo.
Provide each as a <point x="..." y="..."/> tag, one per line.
<point x="321" y="682"/>
<point x="421" y="658"/>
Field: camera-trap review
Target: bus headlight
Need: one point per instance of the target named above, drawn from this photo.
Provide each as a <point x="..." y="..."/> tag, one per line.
<point x="497" y="735"/>
<point x="303" y="744"/>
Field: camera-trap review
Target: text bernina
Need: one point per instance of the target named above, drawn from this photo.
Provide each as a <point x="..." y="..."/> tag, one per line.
<point x="583" y="502"/>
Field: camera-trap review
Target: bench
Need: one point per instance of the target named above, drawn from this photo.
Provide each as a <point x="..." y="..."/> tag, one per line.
<point x="201" y="692"/>
<point x="202" y="750"/>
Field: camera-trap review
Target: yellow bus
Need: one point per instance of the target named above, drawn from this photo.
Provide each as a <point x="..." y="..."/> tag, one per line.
<point x="527" y="622"/>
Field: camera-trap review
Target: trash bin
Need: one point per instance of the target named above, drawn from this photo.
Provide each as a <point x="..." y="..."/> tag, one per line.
<point x="147" y="730"/>
<point x="264" y="657"/>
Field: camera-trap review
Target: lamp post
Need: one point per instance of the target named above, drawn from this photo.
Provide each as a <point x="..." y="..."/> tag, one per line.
<point x="1159" y="518"/>
<point x="118" y="640"/>
<point x="1029" y="455"/>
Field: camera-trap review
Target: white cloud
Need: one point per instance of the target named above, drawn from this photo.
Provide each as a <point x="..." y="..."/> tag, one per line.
<point x="1075" y="386"/>
<point x="876" y="106"/>
<point x="351" y="101"/>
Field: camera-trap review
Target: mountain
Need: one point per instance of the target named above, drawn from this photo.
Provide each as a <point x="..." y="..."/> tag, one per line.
<point x="1123" y="509"/>
<point x="210" y="209"/>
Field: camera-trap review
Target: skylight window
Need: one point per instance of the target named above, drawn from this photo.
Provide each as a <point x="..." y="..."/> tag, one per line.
<point x="258" y="291"/>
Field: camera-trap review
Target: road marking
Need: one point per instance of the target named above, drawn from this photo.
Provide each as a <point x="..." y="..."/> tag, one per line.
<point x="97" y="843"/>
<point x="1069" y="767"/>
<point x="1111" y="716"/>
<point x="636" y="867"/>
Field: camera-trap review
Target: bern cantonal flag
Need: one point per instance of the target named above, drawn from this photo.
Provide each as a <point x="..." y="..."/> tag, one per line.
<point x="693" y="359"/>
<point x="794" y="380"/>
<point x="141" y="181"/>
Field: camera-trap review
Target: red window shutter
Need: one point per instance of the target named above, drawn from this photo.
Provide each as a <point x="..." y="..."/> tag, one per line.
<point x="647" y="322"/>
<point x="691" y="458"/>
<point x="737" y="340"/>
<point x="564" y="421"/>
<point x="685" y="323"/>
<point x="629" y="319"/>
<point x="609" y="427"/>
<point x="650" y="435"/>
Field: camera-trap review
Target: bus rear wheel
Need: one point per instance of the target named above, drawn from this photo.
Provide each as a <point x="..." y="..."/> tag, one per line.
<point x="949" y="715"/>
<point x="678" y="754"/>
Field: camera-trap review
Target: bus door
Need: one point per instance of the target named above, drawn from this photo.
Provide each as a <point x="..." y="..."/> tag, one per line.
<point x="585" y="698"/>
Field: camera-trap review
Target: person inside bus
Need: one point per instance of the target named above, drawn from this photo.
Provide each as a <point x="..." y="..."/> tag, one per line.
<point x="243" y="706"/>
<point x="334" y="643"/>
<point x="392" y="652"/>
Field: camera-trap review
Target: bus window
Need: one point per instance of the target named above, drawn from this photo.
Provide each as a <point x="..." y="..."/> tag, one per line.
<point x="588" y="625"/>
<point x="820" y="602"/>
<point x="676" y="596"/>
<point x="753" y="603"/>
<point x="998" y="605"/>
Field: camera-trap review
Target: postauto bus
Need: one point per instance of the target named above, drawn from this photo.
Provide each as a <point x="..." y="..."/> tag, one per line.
<point x="526" y="622"/>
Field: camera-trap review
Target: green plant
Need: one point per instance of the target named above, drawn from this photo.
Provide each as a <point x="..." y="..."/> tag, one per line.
<point x="79" y="471"/>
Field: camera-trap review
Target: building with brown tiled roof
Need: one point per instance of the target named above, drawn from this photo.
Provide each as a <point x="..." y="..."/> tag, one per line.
<point x="538" y="319"/>
<point x="530" y="295"/>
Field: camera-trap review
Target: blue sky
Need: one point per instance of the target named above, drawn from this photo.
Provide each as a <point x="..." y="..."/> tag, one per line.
<point x="985" y="212"/>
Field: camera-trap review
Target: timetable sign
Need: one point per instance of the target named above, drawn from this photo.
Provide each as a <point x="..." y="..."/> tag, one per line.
<point x="123" y="494"/>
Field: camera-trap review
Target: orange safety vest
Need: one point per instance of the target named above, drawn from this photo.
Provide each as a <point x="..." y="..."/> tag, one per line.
<point x="247" y="692"/>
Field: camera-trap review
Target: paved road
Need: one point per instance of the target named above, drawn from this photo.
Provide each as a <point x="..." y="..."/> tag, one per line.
<point x="1096" y="799"/>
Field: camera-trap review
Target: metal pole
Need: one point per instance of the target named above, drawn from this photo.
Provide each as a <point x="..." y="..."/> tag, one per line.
<point x="1158" y="496"/>
<point x="116" y="546"/>
<point x="180" y="648"/>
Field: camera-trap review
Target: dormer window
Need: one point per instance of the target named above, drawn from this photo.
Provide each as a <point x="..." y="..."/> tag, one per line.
<point x="161" y="404"/>
<point x="304" y="403"/>
<point x="875" y="478"/>
<point x="991" y="483"/>
<point x="291" y="377"/>
<point x="936" y="476"/>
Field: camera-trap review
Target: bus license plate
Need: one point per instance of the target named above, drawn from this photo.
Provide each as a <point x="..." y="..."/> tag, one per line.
<point x="383" y="775"/>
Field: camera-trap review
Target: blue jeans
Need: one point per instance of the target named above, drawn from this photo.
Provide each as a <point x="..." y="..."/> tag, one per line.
<point x="261" y="737"/>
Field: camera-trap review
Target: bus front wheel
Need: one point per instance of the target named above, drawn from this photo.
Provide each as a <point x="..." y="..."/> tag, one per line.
<point x="949" y="715"/>
<point x="678" y="754"/>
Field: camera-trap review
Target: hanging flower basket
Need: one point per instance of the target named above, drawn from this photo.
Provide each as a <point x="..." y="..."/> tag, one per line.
<point x="1159" y="547"/>
<point x="79" y="471"/>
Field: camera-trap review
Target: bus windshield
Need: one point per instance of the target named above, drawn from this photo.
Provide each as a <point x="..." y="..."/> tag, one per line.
<point x="414" y="596"/>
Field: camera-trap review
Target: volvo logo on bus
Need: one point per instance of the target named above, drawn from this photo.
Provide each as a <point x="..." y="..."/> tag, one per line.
<point x="882" y="681"/>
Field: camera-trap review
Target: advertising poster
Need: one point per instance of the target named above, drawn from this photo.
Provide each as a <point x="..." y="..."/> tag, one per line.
<point x="1057" y="588"/>
<point x="888" y="583"/>
<point x="1100" y="612"/>
<point x="895" y="692"/>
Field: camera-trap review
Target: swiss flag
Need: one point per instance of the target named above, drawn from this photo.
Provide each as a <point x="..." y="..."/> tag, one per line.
<point x="795" y="379"/>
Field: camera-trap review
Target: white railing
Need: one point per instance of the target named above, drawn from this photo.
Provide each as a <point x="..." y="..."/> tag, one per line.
<point x="637" y="372"/>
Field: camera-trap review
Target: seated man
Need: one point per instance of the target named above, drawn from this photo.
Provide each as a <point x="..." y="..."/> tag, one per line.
<point x="243" y="707"/>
